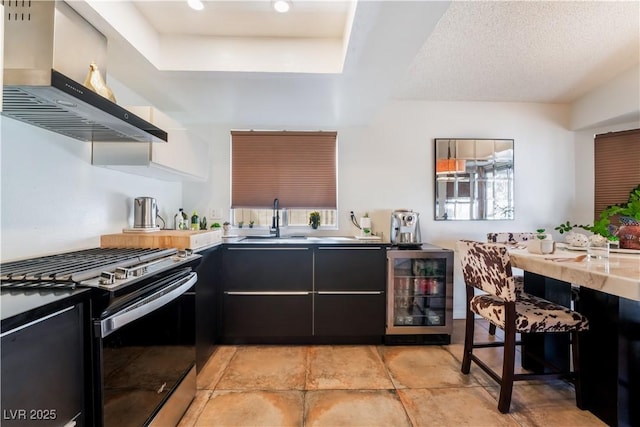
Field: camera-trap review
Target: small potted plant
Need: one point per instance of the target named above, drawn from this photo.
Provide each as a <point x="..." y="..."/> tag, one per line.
<point x="314" y="219"/>
<point x="542" y="244"/>
<point x="240" y="224"/>
<point x="251" y="223"/>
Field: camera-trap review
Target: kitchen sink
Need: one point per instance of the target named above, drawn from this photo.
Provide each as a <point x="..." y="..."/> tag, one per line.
<point x="270" y="238"/>
<point x="273" y="237"/>
<point x="333" y="238"/>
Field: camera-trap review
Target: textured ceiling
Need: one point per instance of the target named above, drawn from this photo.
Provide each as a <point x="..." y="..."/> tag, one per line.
<point x="528" y="51"/>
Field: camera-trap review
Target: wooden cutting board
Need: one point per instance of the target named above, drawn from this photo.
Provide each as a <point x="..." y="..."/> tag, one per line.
<point x="179" y="239"/>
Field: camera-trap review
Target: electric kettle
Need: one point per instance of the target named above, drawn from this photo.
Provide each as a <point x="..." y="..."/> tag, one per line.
<point x="145" y="211"/>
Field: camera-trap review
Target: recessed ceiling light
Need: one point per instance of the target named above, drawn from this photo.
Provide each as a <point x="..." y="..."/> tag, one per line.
<point x="195" y="4"/>
<point x="282" y="6"/>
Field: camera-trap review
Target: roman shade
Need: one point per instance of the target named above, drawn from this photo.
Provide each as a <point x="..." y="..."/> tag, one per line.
<point x="617" y="167"/>
<point x="298" y="168"/>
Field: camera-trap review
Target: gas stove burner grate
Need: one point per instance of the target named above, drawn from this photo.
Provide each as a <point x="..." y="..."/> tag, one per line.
<point x="37" y="285"/>
<point x="76" y="266"/>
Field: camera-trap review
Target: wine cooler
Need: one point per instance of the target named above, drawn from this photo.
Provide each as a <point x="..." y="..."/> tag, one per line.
<point x="420" y="295"/>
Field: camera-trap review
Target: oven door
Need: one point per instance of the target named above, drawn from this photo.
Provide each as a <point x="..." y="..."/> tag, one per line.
<point x="145" y="354"/>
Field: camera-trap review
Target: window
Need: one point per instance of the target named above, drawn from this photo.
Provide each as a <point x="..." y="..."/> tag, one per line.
<point x="297" y="168"/>
<point x="617" y="167"/>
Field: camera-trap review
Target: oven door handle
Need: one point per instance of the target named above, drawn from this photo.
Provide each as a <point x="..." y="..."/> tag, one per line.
<point x="150" y="303"/>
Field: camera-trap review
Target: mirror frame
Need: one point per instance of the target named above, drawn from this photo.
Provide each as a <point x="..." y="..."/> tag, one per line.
<point x="457" y="163"/>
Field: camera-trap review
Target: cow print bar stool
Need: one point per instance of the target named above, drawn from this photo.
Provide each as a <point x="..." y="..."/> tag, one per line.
<point x="487" y="267"/>
<point x="509" y="238"/>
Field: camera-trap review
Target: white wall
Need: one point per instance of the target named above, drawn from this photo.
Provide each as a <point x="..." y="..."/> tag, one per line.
<point x="54" y="200"/>
<point x="615" y="101"/>
<point x="389" y="164"/>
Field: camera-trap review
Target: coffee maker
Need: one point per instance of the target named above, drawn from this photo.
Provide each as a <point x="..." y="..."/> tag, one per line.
<point x="405" y="228"/>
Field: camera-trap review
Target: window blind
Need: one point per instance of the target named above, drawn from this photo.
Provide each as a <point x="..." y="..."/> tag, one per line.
<point x="298" y="168"/>
<point x="617" y="167"/>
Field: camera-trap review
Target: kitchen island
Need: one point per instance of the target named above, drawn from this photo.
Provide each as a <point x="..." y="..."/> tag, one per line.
<point x="609" y="295"/>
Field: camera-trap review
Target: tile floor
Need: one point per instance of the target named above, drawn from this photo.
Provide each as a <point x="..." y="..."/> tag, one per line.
<point x="368" y="386"/>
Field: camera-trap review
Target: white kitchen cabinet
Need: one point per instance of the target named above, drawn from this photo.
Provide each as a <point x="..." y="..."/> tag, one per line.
<point x="183" y="158"/>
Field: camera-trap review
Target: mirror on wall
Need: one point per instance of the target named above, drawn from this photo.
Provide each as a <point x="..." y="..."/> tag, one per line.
<point x="474" y="179"/>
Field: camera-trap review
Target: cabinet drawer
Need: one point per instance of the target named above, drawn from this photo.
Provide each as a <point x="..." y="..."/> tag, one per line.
<point x="343" y="314"/>
<point x="267" y="315"/>
<point x="355" y="269"/>
<point x="267" y="269"/>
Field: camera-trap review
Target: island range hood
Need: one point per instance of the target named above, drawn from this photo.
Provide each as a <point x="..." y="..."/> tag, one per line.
<point x="48" y="48"/>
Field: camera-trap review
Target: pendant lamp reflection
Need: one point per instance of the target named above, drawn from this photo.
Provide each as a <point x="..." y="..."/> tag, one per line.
<point x="450" y="165"/>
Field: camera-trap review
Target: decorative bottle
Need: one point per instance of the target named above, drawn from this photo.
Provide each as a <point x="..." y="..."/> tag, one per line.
<point x="182" y="220"/>
<point x="195" y="221"/>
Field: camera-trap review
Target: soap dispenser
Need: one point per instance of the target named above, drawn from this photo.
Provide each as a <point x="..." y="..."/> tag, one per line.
<point x="180" y="220"/>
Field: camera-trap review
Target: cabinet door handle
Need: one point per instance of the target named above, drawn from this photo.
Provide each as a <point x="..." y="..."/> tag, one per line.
<point x="350" y="292"/>
<point x="342" y="248"/>
<point x="35" y="322"/>
<point x="268" y="249"/>
<point x="275" y="293"/>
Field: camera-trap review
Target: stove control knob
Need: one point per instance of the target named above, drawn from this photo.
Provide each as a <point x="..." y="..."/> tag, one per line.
<point x="184" y="253"/>
<point x="123" y="273"/>
<point x="107" y="278"/>
<point x="139" y="271"/>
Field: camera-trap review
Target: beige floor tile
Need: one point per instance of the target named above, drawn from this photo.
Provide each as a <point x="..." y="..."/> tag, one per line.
<point x="253" y="408"/>
<point x="266" y="368"/>
<point x="424" y="367"/>
<point x="196" y="407"/>
<point x="346" y="367"/>
<point x="215" y="366"/>
<point x="540" y="395"/>
<point x="351" y="385"/>
<point x="557" y="416"/>
<point x="345" y="408"/>
<point x="531" y="402"/>
<point x="470" y="406"/>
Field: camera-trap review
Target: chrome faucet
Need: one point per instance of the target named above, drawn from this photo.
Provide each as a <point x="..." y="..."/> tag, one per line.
<point x="275" y="222"/>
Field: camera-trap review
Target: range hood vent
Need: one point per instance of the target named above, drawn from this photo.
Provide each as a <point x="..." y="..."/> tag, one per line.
<point x="43" y="54"/>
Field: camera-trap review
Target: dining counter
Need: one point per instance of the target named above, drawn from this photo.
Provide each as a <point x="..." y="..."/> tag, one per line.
<point x="619" y="275"/>
<point x="607" y="292"/>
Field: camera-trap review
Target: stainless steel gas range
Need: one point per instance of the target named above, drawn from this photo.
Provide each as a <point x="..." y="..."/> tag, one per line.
<point x="142" y="326"/>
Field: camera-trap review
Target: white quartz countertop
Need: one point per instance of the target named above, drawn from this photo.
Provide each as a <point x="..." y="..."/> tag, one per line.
<point x="619" y="275"/>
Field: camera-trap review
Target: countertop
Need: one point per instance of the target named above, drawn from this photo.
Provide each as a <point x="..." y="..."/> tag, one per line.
<point x="22" y="306"/>
<point x="301" y="240"/>
<point x="619" y="275"/>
